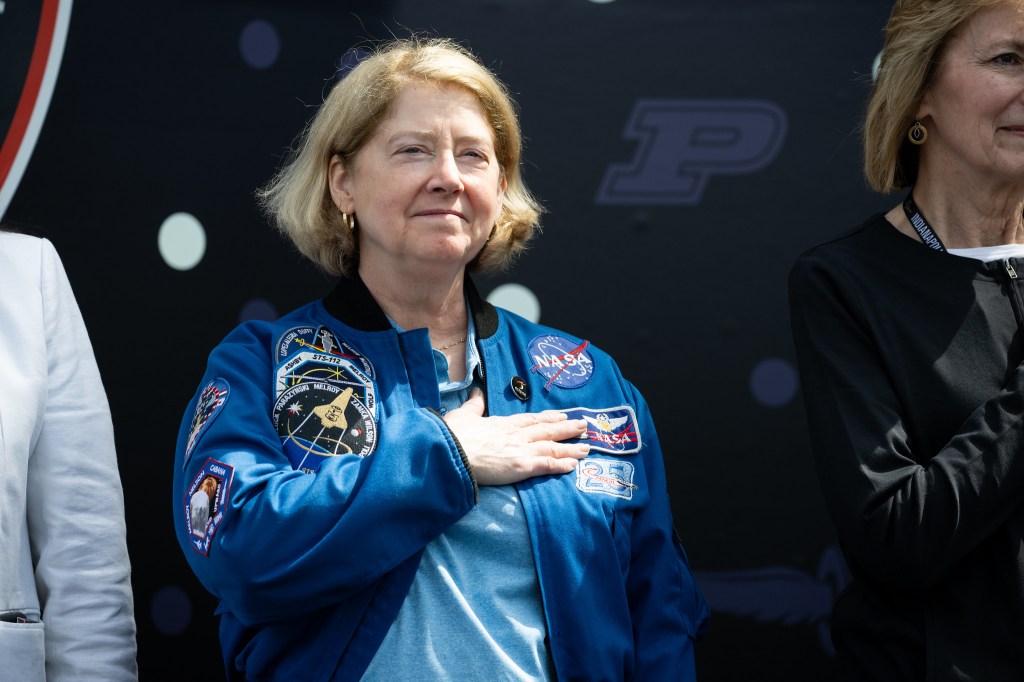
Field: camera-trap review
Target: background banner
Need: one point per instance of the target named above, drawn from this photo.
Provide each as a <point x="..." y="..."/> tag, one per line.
<point x="686" y="151"/>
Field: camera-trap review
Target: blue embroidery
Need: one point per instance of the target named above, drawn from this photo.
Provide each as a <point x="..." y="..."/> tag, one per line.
<point x="206" y="502"/>
<point x="610" y="429"/>
<point x="606" y="477"/>
<point x="562" y="362"/>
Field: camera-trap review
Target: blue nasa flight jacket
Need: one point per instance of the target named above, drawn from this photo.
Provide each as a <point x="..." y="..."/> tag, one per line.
<point x="313" y="467"/>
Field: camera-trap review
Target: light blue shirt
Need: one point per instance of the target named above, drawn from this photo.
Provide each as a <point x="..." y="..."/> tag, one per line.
<point x="474" y="610"/>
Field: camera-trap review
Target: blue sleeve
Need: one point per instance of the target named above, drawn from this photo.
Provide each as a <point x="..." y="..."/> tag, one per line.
<point x="289" y="542"/>
<point x="668" y="610"/>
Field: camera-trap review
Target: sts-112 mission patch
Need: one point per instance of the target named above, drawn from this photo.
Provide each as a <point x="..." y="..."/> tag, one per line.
<point x="319" y="420"/>
<point x="320" y="340"/>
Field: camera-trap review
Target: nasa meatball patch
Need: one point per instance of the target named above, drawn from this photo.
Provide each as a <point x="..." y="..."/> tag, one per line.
<point x="561" y="361"/>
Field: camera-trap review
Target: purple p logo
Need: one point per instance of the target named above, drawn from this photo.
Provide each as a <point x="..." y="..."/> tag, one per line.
<point x="682" y="142"/>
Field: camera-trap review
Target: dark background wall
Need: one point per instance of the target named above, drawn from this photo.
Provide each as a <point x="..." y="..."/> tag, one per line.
<point x="686" y="150"/>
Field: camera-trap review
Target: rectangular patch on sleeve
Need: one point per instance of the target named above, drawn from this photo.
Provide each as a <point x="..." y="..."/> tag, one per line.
<point x="208" y="406"/>
<point x="206" y="502"/>
<point x="606" y="477"/>
<point x="610" y="429"/>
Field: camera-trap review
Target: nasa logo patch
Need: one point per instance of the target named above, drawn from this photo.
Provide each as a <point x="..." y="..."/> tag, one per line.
<point x="562" y="362"/>
<point x="211" y="400"/>
<point x="206" y="502"/>
<point x="318" y="420"/>
<point x="601" y="476"/>
<point x="610" y="429"/>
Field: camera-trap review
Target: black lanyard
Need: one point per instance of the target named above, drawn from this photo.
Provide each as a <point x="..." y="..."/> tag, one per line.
<point x="920" y="225"/>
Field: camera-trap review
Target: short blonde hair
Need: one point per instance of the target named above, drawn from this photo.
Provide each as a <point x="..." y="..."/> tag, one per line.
<point x="915" y="39"/>
<point x="298" y="199"/>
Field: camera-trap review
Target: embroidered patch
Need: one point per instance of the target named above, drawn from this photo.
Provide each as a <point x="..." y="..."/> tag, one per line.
<point x="562" y="362"/>
<point x="321" y="340"/>
<point x="306" y="366"/>
<point x="211" y="400"/>
<point x="317" y="420"/>
<point x="611" y="429"/>
<point x="606" y="477"/>
<point x="206" y="502"/>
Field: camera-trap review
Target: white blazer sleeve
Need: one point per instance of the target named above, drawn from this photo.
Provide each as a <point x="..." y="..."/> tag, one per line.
<point x="76" y="505"/>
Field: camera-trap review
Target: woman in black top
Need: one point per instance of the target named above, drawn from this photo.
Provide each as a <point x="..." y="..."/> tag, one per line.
<point x="908" y="333"/>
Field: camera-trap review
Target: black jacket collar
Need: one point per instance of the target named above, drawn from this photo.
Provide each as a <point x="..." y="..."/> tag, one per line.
<point x="352" y="303"/>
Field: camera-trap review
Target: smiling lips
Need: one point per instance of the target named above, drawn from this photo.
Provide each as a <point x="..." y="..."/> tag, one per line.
<point x="441" y="211"/>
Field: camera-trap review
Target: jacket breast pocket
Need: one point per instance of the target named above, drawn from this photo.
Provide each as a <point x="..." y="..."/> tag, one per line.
<point x="23" y="652"/>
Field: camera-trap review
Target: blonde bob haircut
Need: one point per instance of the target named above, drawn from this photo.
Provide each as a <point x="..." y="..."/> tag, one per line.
<point x="915" y="40"/>
<point x="298" y="199"/>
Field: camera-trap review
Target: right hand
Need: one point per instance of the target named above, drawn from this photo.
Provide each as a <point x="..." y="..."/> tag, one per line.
<point x="503" y="450"/>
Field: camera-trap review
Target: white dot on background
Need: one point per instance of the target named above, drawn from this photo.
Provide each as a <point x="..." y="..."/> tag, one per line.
<point x="517" y="299"/>
<point x="182" y="241"/>
<point x="875" y="66"/>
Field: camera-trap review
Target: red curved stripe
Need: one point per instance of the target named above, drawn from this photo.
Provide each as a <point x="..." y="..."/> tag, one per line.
<point x="29" y="93"/>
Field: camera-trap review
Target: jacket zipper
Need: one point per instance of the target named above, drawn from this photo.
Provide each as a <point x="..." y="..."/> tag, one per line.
<point x="483" y="375"/>
<point x="1014" y="293"/>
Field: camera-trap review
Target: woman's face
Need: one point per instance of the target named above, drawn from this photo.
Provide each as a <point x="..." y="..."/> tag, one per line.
<point x="426" y="188"/>
<point x="974" y="111"/>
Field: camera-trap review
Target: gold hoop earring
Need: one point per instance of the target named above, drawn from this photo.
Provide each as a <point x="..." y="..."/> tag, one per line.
<point x="349" y="221"/>
<point x="917" y="134"/>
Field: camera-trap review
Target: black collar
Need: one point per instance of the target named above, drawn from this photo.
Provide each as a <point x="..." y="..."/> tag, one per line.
<point x="352" y="303"/>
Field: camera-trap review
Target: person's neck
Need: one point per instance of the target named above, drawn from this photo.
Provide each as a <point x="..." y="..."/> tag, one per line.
<point x="965" y="216"/>
<point x="421" y="299"/>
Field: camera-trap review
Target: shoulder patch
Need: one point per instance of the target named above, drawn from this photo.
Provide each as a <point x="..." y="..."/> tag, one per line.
<point x="609" y="429"/>
<point x="316" y="420"/>
<point x="211" y="401"/>
<point x="564" y="363"/>
<point x="309" y="366"/>
<point x="597" y="475"/>
<point x="206" y="502"/>
<point x="320" y="340"/>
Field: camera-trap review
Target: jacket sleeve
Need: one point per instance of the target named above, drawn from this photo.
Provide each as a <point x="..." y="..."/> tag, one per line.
<point x="668" y="610"/>
<point x="75" y="505"/>
<point x="902" y="523"/>
<point x="291" y="542"/>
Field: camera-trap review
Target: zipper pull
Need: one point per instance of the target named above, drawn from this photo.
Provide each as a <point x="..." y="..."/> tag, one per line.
<point x="1009" y="268"/>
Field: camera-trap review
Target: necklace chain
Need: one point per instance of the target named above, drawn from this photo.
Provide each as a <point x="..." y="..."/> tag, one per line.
<point x="449" y="345"/>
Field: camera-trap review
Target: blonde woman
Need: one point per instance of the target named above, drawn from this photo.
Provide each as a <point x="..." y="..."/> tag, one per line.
<point x="909" y="337"/>
<point x="412" y="483"/>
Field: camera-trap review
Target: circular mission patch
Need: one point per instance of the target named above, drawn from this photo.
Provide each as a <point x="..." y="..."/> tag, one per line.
<point x="317" y="420"/>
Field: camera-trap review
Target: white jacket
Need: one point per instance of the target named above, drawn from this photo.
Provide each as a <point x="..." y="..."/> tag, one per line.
<point x="63" y="556"/>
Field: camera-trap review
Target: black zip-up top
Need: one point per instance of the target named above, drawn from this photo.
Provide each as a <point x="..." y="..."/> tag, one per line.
<point x="910" y="365"/>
